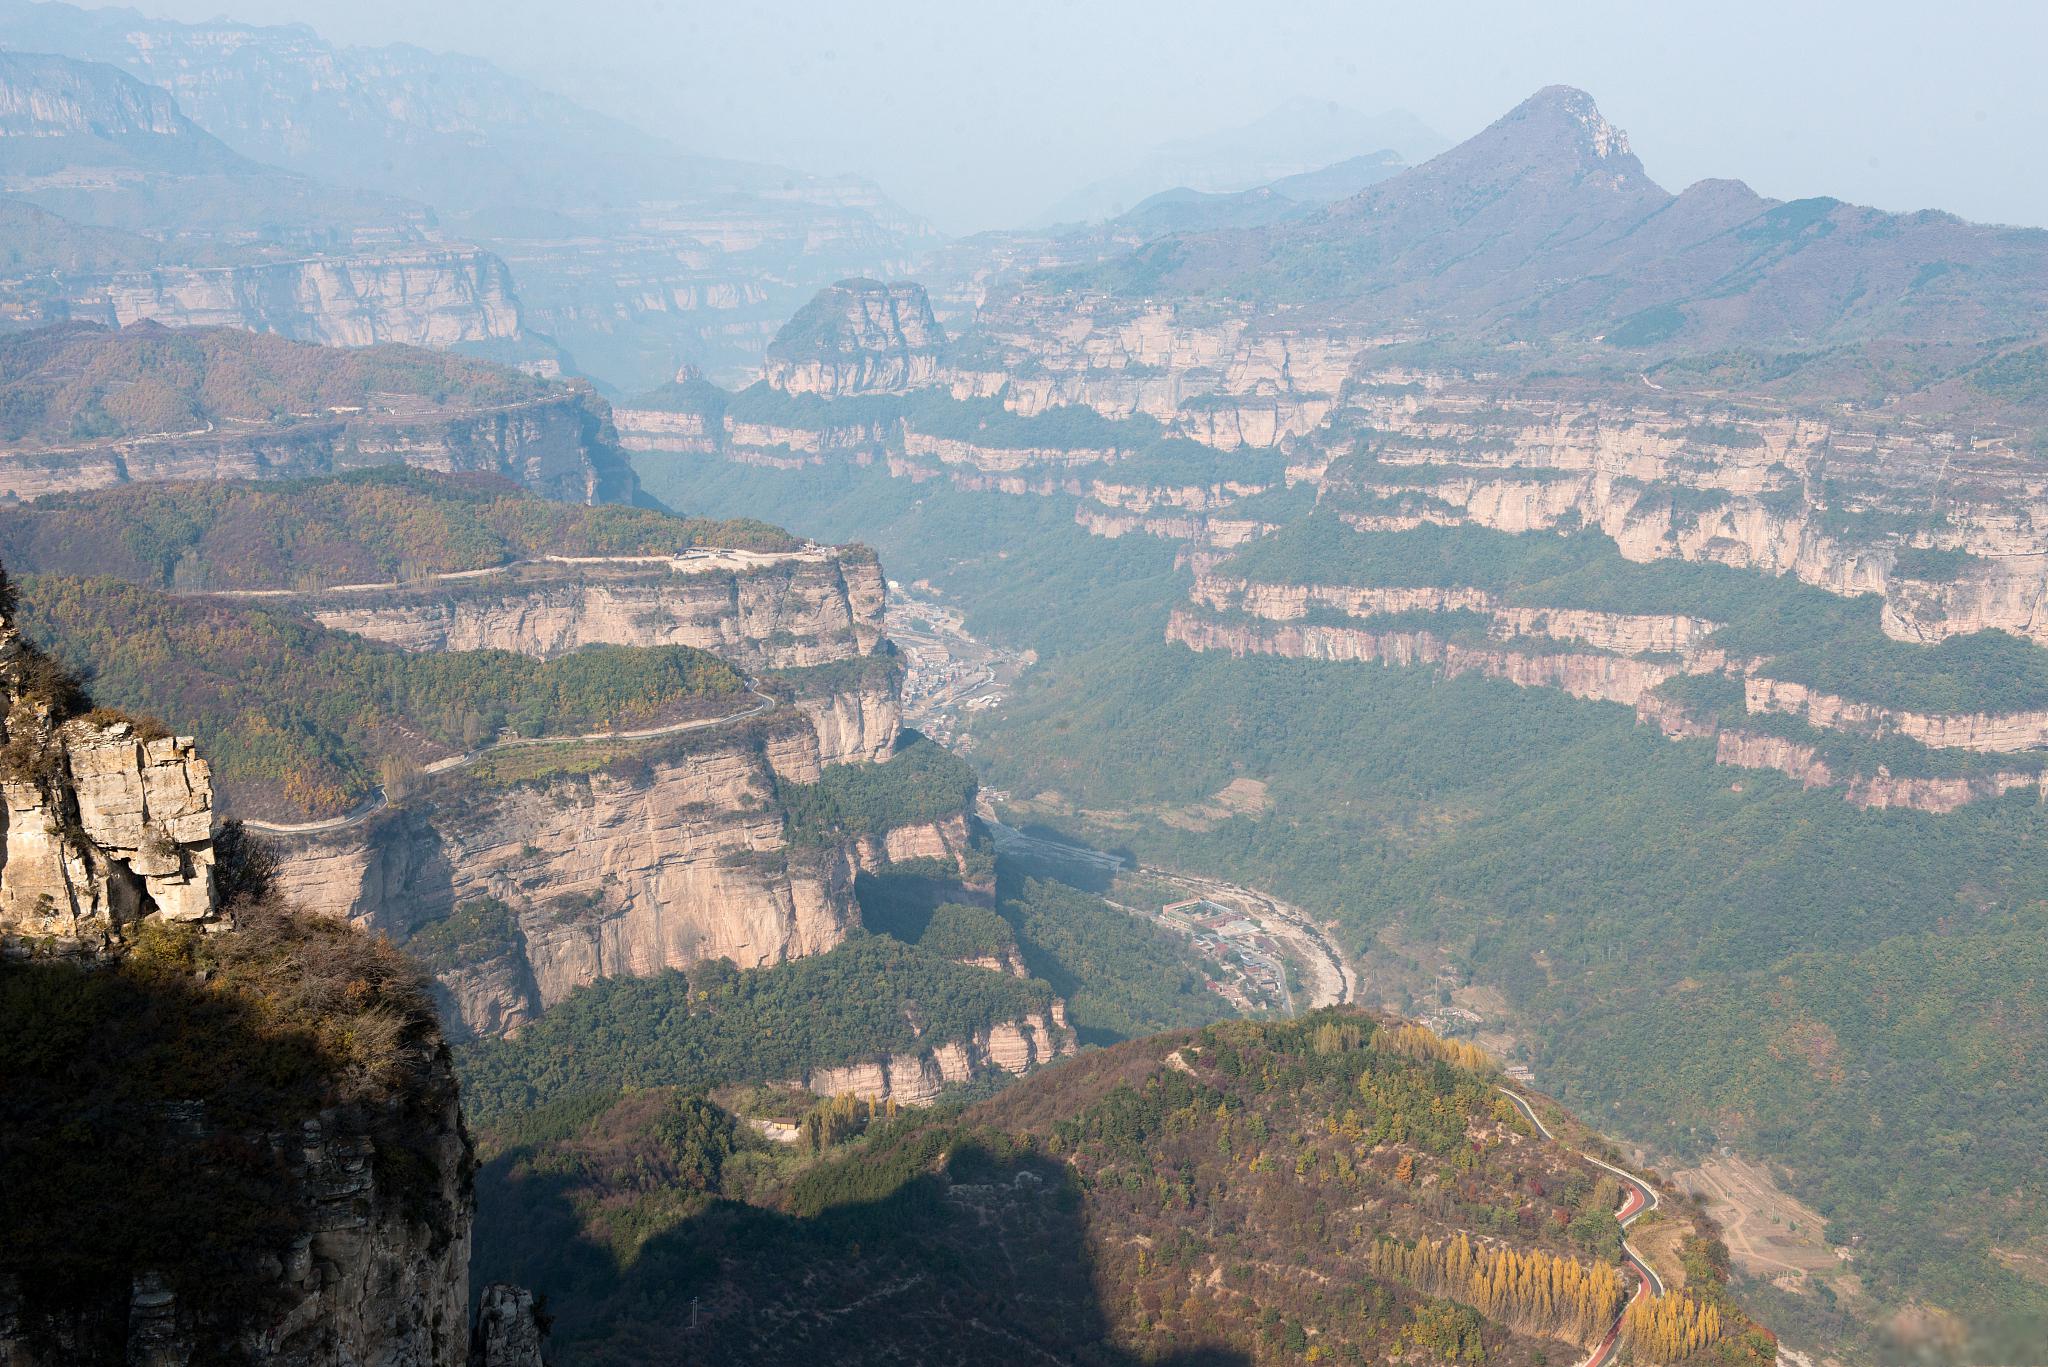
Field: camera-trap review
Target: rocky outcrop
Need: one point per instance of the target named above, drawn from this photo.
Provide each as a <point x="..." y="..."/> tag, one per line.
<point x="2006" y="590"/>
<point x="662" y="429"/>
<point x="508" y="1329"/>
<point x="673" y="854"/>
<point x="1622" y="633"/>
<point x="917" y="1079"/>
<point x="558" y="445"/>
<point x="1831" y="501"/>
<point x="758" y="610"/>
<point x="858" y="337"/>
<point x="998" y="459"/>
<point x="106" y="824"/>
<point x="947" y="841"/>
<point x="357" y="1259"/>
<point x="2008" y="732"/>
<point x="1288" y="602"/>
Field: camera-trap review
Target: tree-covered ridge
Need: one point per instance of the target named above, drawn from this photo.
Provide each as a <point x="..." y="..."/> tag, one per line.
<point x="1233" y="1194"/>
<point x="1802" y="634"/>
<point x="870" y="997"/>
<point x="369" y="526"/>
<point x="300" y="721"/>
<point x="1119" y="975"/>
<point x="921" y="783"/>
<point x="78" y="382"/>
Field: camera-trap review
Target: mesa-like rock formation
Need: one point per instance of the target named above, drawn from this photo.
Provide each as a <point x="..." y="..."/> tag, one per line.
<point x="858" y="337"/>
<point x="432" y="296"/>
<point x="276" y="415"/>
<point x="2007" y="732"/>
<point x="760" y="610"/>
<point x="1600" y="677"/>
<point x="555" y="446"/>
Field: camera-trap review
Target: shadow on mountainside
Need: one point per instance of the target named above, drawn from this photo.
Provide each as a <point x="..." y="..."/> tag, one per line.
<point x="984" y="1260"/>
<point x="148" y="1104"/>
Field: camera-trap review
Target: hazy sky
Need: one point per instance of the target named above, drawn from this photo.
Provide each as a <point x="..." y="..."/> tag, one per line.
<point x="982" y="115"/>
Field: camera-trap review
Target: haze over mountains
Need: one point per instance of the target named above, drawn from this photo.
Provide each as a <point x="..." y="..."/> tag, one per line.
<point x="1054" y="794"/>
<point x="1299" y="136"/>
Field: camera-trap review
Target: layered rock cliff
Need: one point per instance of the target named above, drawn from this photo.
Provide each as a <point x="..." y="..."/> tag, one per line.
<point x="518" y="889"/>
<point x="760" y="610"/>
<point x="558" y="445"/>
<point x="1600" y="677"/>
<point x="432" y="296"/>
<point x="2008" y="732"/>
<point x="916" y="1079"/>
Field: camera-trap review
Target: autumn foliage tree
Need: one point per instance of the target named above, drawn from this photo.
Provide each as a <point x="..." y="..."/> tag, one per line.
<point x="1534" y="1292"/>
<point x="1668" y="1328"/>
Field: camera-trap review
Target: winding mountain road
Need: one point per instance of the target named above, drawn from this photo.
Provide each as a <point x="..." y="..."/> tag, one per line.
<point x="382" y="800"/>
<point x="1639" y="1199"/>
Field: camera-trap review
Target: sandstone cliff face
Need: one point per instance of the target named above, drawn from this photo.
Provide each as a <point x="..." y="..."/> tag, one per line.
<point x="2008" y="732"/>
<point x="555" y="445"/>
<point x="858" y="337"/>
<point x="680" y="860"/>
<point x="104" y="827"/>
<point x="1673" y="477"/>
<point x="423" y="296"/>
<point x="1604" y="678"/>
<point x="759" y="611"/>
<point x="1622" y="633"/>
<point x="1803" y="765"/>
<point x="916" y="1079"/>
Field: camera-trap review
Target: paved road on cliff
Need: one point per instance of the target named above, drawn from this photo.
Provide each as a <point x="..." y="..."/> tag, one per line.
<point x="381" y="801"/>
<point x="1641" y="1198"/>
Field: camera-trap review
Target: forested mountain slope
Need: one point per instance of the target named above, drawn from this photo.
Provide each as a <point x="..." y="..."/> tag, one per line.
<point x="1332" y="1189"/>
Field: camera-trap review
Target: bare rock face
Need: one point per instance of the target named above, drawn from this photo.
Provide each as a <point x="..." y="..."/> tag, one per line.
<point x="679" y="859"/>
<point x="422" y="296"/>
<point x="1605" y="678"/>
<point x="2007" y="732"/>
<point x="508" y="1331"/>
<point x="858" y="337"/>
<point x="364" y="1281"/>
<point x="916" y="1079"/>
<point x="557" y="445"/>
<point x="105" y="825"/>
<point x="757" y="610"/>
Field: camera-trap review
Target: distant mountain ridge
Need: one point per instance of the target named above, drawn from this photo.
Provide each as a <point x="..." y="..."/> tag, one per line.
<point x="1545" y="225"/>
<point x="88" y="141"/>
<point x="1299" y="137"/>
<point x="638" y="256"/>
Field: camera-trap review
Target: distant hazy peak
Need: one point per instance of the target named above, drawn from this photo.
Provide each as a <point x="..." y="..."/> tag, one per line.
<point x="43" y="95"/>
<point x="1574" y="110"/>
<point x="1557" y="138"/>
